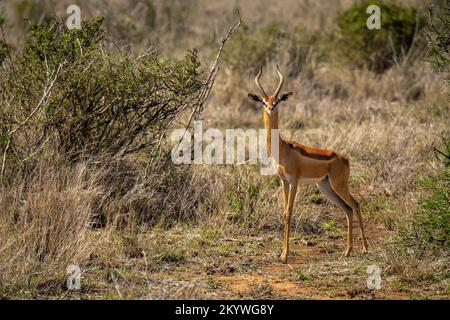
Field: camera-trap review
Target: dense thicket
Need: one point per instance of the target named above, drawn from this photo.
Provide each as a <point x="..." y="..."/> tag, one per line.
<point x="69" y="91"/>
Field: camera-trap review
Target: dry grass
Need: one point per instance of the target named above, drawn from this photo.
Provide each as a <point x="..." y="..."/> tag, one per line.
<point x="44" y="225"/>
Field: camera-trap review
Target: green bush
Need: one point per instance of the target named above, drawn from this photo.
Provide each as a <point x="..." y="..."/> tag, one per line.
<point x="249" y="50"/>
<point x="430" y="229"/>
<point x="439" y="36"/>
<point x="377" y="49"/>
<point x="98" y="101"/>
<point x="431" y="224"/>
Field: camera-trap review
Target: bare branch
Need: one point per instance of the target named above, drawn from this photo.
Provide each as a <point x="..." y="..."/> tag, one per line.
<point x="212" y="75"/>
<point x="47" y="89"/>
<point x="204" y="94"/>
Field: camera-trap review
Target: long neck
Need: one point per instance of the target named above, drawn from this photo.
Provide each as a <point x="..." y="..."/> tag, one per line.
<point x="271" y="122"/>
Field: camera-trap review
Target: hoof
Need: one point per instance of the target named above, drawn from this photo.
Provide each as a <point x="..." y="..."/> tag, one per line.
<point x="365" y="249"/>
<point x="283" y="258"/>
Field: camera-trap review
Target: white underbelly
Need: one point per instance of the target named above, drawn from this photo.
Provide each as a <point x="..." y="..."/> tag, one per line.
<point x="303" y="180"/>
<point x="310" y="180"/>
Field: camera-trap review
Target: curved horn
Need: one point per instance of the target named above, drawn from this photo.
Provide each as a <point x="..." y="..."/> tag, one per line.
<point x="258" y="84"/>
<point x="280" y="84"/>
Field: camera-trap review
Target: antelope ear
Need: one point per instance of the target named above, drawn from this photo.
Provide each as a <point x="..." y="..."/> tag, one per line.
<point x="254" y="97"/>
<point x="285" y="96"/>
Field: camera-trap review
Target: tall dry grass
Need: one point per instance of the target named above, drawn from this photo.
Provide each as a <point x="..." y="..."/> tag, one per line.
<point x="44" y="224"/>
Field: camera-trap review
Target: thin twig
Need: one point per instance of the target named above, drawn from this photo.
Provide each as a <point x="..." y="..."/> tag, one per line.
<point x="212" y="77"/>
<point x="204" y="94"/>
<point x="150" y="51"/>
<point x="413" y="42"/>
<point x="48" y="87"/>
<point x="391" y="43"/>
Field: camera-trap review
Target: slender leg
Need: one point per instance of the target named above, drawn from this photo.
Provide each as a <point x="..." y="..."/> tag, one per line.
<point x="349" y="234"/>
<point x="361" y="227"/>
<point x="335" y="187"/>
<point x="287" y="220"/>
<point x="340" y="187"/>
<point x="286" y="194"/>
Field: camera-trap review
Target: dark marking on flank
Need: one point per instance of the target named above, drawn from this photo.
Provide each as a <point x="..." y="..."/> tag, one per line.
<point x="313" y="155"/>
